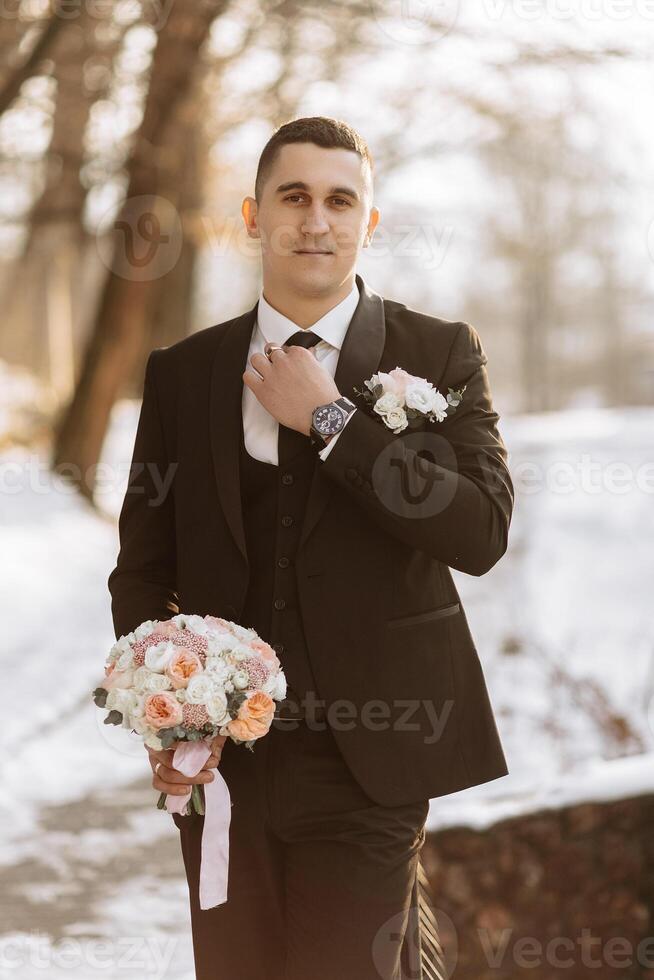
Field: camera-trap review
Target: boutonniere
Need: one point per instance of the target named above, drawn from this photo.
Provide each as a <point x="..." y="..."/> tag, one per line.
<point x="402" y="400"/>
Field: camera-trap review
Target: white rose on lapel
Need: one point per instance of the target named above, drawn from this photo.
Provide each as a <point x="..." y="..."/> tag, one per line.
<point x="401" y="400"/>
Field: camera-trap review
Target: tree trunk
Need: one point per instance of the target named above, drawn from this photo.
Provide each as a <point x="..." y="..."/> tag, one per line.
<point x="35" y="285"/>
<point x="135" y="270"/>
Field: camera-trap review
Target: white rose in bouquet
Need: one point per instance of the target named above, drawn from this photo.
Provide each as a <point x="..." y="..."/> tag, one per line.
<point x="158" y="657"/>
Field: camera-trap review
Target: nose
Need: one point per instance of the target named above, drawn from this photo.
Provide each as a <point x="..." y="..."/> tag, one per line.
<point x="315" y="222"/>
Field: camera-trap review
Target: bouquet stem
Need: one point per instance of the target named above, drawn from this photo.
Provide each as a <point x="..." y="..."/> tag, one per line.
<point x="195" y="803"/>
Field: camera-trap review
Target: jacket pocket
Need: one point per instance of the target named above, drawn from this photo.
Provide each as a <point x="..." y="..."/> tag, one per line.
<point x="424" y="617"/>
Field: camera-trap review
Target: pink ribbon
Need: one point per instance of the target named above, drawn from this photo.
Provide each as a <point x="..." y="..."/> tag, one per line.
<point x="189" y="757"/>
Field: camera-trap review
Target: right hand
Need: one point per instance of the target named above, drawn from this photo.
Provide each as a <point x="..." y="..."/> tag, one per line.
<point x="170" y="780"/>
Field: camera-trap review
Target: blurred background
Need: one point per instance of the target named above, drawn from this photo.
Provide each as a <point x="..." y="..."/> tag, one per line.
<point x="514" y="156"/>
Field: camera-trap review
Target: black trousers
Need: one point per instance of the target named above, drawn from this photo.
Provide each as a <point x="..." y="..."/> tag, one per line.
<point x="322" y="880"/>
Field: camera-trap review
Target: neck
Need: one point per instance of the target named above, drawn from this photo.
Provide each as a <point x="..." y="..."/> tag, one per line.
<point x="300" y="308"/>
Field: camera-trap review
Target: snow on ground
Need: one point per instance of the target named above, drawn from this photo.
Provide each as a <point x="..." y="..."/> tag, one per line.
<point x="561" y="625"/>
<point x="562" y="622"/>
<point x="599" y="779"/>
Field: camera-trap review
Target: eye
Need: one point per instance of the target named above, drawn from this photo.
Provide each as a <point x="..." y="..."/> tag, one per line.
<point x="298" y="197"/>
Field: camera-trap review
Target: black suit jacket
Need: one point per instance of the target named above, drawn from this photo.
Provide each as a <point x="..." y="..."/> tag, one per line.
<point x="387" y="516"/>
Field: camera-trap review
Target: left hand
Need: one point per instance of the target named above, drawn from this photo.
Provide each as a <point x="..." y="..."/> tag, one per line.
<point x="170" y="780"/>
<point x="293" y="383"/>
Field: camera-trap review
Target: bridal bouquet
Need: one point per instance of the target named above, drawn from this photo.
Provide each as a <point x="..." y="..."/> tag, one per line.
<point x="402" y="400"/>
<point x="186" y="680"/>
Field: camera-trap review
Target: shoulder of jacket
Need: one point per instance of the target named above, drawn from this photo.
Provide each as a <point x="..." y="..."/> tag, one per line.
<point x="400" y="313"/>
<point x="198" y="343"/>
<point x="455" y="343"/>
<point x="192" y="353"/>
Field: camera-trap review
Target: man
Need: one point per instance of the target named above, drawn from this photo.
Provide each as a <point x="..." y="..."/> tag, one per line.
<point x="265" y="490"/>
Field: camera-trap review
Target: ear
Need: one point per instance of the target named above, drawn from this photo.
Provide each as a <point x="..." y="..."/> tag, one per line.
<point x="372" y="224"/>
<point x="249" y="212"/>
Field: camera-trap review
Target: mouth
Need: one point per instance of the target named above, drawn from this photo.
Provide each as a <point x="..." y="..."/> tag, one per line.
<point x="310" y="251"/>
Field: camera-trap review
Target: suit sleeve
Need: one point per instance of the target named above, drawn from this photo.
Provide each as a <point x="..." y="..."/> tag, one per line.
<point x="444" y="488"/>
<point x="325" y="451"/>
<point x="142" y="584"/>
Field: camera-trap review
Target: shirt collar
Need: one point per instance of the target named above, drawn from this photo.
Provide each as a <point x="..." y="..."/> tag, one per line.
<point x="332" y="327"/>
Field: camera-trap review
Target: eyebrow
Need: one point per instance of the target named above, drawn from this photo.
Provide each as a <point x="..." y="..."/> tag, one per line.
<point x="300" y="185"/>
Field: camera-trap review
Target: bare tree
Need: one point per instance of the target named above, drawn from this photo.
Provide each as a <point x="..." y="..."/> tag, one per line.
<point x="127" y="299"/>
<point x="166" y="171"/>
<point x="52" y="253"/>
<point x="37" y="36"/>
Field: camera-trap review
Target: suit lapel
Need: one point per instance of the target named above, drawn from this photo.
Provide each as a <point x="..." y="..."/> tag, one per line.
<point x="225" y="419"/>
<point x="359" y="358"/>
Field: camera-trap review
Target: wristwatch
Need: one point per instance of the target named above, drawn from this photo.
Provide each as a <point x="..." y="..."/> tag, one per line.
<point x="328" y="419"/>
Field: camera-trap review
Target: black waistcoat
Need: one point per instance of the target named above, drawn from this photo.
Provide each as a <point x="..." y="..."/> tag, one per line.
<point x="273" y="501"/>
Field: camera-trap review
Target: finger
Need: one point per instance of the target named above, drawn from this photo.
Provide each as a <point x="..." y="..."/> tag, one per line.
<point x="252" y="379"/>
<point x="171" y="789"/>
<point x="164" y="756"/>
<point x="270" y="348"/>
<point x="297" y="350"/>
<point x="262" y="364"/>
<point x="216" y="751"/>
<point x="175" y="776"/>
<point x="213" y="759"/>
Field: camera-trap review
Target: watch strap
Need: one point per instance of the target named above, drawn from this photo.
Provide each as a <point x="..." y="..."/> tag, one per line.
<point x="347" y="406"/>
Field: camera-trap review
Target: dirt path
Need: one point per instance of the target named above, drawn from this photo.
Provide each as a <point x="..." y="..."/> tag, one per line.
<point x="98" y="891"/>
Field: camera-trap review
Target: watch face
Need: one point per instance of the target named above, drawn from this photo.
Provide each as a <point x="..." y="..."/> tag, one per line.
<point x="328" y="419"/>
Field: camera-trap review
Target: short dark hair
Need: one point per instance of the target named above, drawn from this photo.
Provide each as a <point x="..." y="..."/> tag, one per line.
<point x="321" y="130"/>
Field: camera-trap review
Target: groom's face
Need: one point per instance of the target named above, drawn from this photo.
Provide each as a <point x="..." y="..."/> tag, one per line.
<point x="314" y="216"/>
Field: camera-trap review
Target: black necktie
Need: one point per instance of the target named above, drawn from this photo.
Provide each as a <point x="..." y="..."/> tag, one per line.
<point x="290" y="442"/>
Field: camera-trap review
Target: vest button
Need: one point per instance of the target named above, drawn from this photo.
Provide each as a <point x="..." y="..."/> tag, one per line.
<point x="278" y="647"/>
<point x="351" y="473"/>
<point x="279" y="603"/>
<point x="283" y="562"/>
<point x="287" y="479"/>
<point x="287" y="520"/>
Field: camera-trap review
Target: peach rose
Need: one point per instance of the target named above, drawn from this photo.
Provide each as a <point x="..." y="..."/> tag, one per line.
<point x="162" y="710"/>
<point x="117" y="678"/>
<point x="266" y="653"/>
<point x="181" y="668"/>
<point x="217" y="623"/>
<point x="254" y="717"/>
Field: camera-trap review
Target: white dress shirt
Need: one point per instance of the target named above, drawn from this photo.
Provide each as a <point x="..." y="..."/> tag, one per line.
<point x="260" y="428"/>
